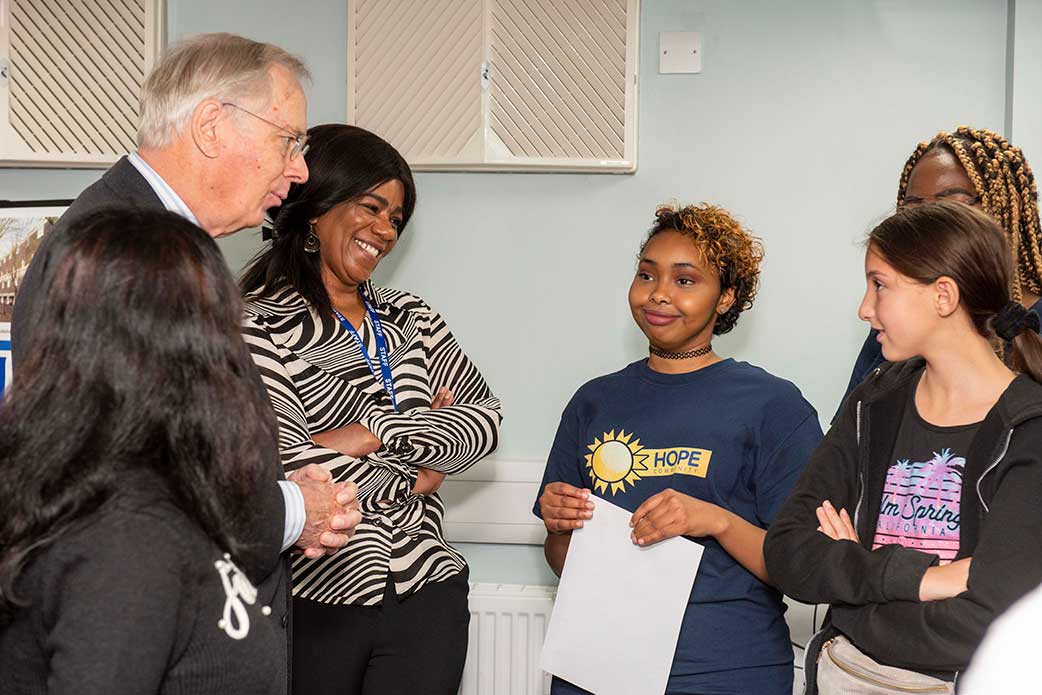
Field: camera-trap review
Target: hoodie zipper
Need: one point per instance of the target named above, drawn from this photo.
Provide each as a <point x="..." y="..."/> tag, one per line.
<point x="860" y="469"/>
<point x="989" y="469"/>
<point x="857" y="512"/>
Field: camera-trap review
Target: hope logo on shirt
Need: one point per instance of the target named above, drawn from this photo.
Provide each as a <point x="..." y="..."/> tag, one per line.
<point x="620" y="459"/>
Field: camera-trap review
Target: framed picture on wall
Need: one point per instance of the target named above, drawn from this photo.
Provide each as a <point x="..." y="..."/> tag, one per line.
<point x="5" y="355"/>
<point x="23" y="224"/>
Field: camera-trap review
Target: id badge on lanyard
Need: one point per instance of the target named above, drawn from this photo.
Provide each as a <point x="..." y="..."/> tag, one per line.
<point x="381" y="348"/>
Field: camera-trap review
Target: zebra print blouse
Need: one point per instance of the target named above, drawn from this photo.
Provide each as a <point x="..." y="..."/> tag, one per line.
<point x="318" y="380"/>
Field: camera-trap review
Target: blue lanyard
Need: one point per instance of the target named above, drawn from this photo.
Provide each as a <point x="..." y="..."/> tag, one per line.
<point x="381" y="347"/>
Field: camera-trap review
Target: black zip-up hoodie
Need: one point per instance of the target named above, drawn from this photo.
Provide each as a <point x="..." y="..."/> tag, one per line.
<point x="874" y="594"/>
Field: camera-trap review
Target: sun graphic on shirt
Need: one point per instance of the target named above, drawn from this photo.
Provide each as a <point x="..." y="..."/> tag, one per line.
<point x="614" y="462"/>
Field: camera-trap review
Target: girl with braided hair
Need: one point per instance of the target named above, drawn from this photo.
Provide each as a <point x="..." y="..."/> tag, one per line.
<point x="917" y="517"/>
<point x="979" y="168"/>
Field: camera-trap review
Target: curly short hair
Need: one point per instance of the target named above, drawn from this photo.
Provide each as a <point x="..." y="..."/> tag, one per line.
<point x="726" y="245"/>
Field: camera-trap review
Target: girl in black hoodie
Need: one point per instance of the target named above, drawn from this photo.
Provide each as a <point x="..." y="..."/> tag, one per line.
<point x="918" y="517"/>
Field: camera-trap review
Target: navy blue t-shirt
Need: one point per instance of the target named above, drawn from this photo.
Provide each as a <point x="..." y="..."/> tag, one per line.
<point x="730" y="434"/>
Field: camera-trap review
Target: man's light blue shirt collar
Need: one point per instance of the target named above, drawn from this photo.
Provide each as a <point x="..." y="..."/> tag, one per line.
<point x="171" y="201"/>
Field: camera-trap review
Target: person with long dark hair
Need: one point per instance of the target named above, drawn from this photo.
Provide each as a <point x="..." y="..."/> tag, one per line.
<point x="133" y="445"/>
<point x="917" y="518"/>
<point x="369" y="383"/>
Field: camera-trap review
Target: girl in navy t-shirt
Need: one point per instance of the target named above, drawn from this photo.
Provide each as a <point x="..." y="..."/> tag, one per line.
<point x="694" y="445"/>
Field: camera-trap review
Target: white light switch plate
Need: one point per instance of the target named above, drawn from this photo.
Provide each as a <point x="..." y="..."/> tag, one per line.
<point x="679" y="52"/>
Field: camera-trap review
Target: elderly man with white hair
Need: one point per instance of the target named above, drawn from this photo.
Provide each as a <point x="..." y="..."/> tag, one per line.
<point x="222" y="137"/>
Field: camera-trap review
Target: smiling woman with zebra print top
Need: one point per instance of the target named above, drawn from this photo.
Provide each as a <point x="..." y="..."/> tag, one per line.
<point x="369" y="383"/>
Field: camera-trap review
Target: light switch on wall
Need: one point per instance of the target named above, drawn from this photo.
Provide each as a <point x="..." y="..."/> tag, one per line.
<point x="679" y="52"/>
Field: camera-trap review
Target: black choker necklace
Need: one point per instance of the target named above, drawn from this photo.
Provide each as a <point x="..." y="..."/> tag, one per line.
<point x="704" y="350"/>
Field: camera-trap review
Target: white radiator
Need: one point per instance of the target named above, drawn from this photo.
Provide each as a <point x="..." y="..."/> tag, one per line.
<point x="507" y="625"/>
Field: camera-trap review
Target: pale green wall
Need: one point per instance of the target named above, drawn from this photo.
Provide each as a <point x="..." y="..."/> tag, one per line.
<point x="800" y="123"/>
<point x="1026" y="111"/>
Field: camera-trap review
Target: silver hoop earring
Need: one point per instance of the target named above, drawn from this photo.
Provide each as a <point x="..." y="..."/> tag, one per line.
<point x="311" y="240"/>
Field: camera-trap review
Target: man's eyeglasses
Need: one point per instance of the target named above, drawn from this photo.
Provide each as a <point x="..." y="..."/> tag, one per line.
<point x="299" y="145"/>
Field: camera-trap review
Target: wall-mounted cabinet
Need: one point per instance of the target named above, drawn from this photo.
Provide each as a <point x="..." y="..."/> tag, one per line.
<point x="498" y="84"/>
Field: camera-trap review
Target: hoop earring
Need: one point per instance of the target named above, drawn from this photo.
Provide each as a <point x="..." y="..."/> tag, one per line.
<point x="311" y="240"/>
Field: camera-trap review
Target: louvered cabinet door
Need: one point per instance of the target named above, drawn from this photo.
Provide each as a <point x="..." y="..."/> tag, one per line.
<point x="71" y="73"/>
<point x="498" y="84"/>
<point x="558" y="89"/>
<point x="415" y="76"/>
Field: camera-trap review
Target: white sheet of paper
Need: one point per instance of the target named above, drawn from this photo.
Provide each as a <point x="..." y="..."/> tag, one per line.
<point x="619" y="606"/>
